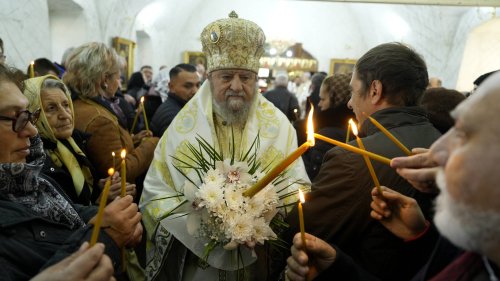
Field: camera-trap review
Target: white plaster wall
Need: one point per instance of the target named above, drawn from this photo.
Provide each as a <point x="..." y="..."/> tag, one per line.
<point x="481" y="49"/>
<point x="25" y="36"/>
<point x="72" y="28"/>
<point x="327" y="30"/>
<point x="68" y="29"/>
<point x="179" y="27"/>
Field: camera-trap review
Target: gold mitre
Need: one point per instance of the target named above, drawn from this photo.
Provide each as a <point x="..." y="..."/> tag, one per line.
<point x="233" y="43"/>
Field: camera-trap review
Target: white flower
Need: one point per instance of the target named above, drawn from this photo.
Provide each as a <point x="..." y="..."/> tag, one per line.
<point x="214" y="176"/>
<point x="262" y="231"/>
<point x="234" y="198"/>
<point x="236" y="173"/>
<point x="211" y="195"/>
<point x="240" y="228"/>
<point x="193" y="223"/>
<point x="255" y="206"/>
<point x="190" y="190"/>
<point x="269" y="197"/>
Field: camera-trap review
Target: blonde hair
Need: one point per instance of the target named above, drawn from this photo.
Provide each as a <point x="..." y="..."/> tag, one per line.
<point x="88" y="66"/>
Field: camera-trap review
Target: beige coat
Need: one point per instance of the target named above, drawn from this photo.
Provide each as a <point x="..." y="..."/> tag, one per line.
<point x="108" y="136"/>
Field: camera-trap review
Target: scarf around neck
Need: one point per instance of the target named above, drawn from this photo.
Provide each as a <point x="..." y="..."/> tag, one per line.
<point x="21" y="183"/>
<point x="61" y="154"/>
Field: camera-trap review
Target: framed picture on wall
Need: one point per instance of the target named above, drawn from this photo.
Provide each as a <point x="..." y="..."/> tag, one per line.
<point x="341" y="66"/>
<point x="195" y="58"/>
<point x="125" y="49"/>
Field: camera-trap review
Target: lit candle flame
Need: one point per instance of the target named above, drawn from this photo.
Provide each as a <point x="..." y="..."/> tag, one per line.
<point x="353" y="126"/>
<point x="301" y="197"/>
<point x="369" y="165"/>
<point x="123" y="153"/>
<point x="310" y="127"/>
<point x="113" y="154"/>
<point x="100" y="212"/>
<point x="142" y="99"/>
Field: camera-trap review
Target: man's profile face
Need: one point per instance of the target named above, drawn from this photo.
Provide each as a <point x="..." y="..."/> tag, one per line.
<point x="185" y="84"/>
<point x="468" y="212"/>
<point x="233" y="87"/>
<point x="359" y="101"/>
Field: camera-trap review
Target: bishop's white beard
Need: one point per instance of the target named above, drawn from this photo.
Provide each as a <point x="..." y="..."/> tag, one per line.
<point x="465" y="226"/>
<point x="234" y="109"/>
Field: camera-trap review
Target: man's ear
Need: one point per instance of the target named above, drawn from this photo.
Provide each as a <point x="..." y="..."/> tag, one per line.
<point x="375" y="93"/>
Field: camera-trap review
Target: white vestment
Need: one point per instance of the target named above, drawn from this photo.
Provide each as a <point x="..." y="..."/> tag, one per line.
<point x="162" y="196"/>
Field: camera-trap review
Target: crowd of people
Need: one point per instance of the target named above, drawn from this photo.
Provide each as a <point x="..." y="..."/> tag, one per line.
<point x="198" y="137"/>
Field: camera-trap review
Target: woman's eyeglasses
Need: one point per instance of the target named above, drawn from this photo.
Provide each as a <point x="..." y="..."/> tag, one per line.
<point x="22" y="118"/>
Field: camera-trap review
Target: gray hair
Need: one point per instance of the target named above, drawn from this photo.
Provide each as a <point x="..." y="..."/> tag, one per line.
<point x="66" y="55"/>
<point x="53" y="84"/>
<point x="88" y="66"/>
<point x="281" y="79"/>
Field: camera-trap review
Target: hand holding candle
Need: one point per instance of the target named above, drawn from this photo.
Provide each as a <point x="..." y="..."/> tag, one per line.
<point x="271" y="175"/>
<point x="367" y="160"/>
<point x="123" y="173"/>
<point x="100" y="212"/>
<point x="389" y="135"/>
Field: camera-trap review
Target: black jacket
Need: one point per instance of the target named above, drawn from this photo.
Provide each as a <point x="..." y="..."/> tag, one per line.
<point x="338" y="207"/>
<point x="29" y="243"/>
<point x="331" y="123"/>
<point x="165" y="114"/>
<point x="285" y="101"/>
<point x="443" y="254"/>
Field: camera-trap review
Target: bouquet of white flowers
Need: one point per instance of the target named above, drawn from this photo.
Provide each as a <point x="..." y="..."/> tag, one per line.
<point x="220" y="212"/>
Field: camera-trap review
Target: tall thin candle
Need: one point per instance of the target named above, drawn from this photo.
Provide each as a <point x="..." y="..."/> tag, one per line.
<point x="301" y="218"/>
<point x="354" y="149"/>
<point x="123" y="173"/>
<point x="100" y="212"/>
<point x="32" y="69"/>
<point x="136" y="116"/>
<point x="271" y="175"/>
<point x="367" y="160"/>
<point x="389" y="135"/>
<point x="114" y="162"/>
<point x="144" y="114"/>
<point x="348" y="132"/>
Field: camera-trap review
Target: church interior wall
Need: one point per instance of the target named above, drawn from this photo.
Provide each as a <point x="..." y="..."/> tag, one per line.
<point x="165" y="29"/>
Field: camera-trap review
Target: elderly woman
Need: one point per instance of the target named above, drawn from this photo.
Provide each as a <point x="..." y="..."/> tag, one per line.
<point x="66" y="163"/>
<point x="39" y="226"/>
<point x="93" y="74"/>
<point x="331" y="120"/>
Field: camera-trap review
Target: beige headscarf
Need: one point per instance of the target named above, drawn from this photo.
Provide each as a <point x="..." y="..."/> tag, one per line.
<point x="61" y="155"/>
